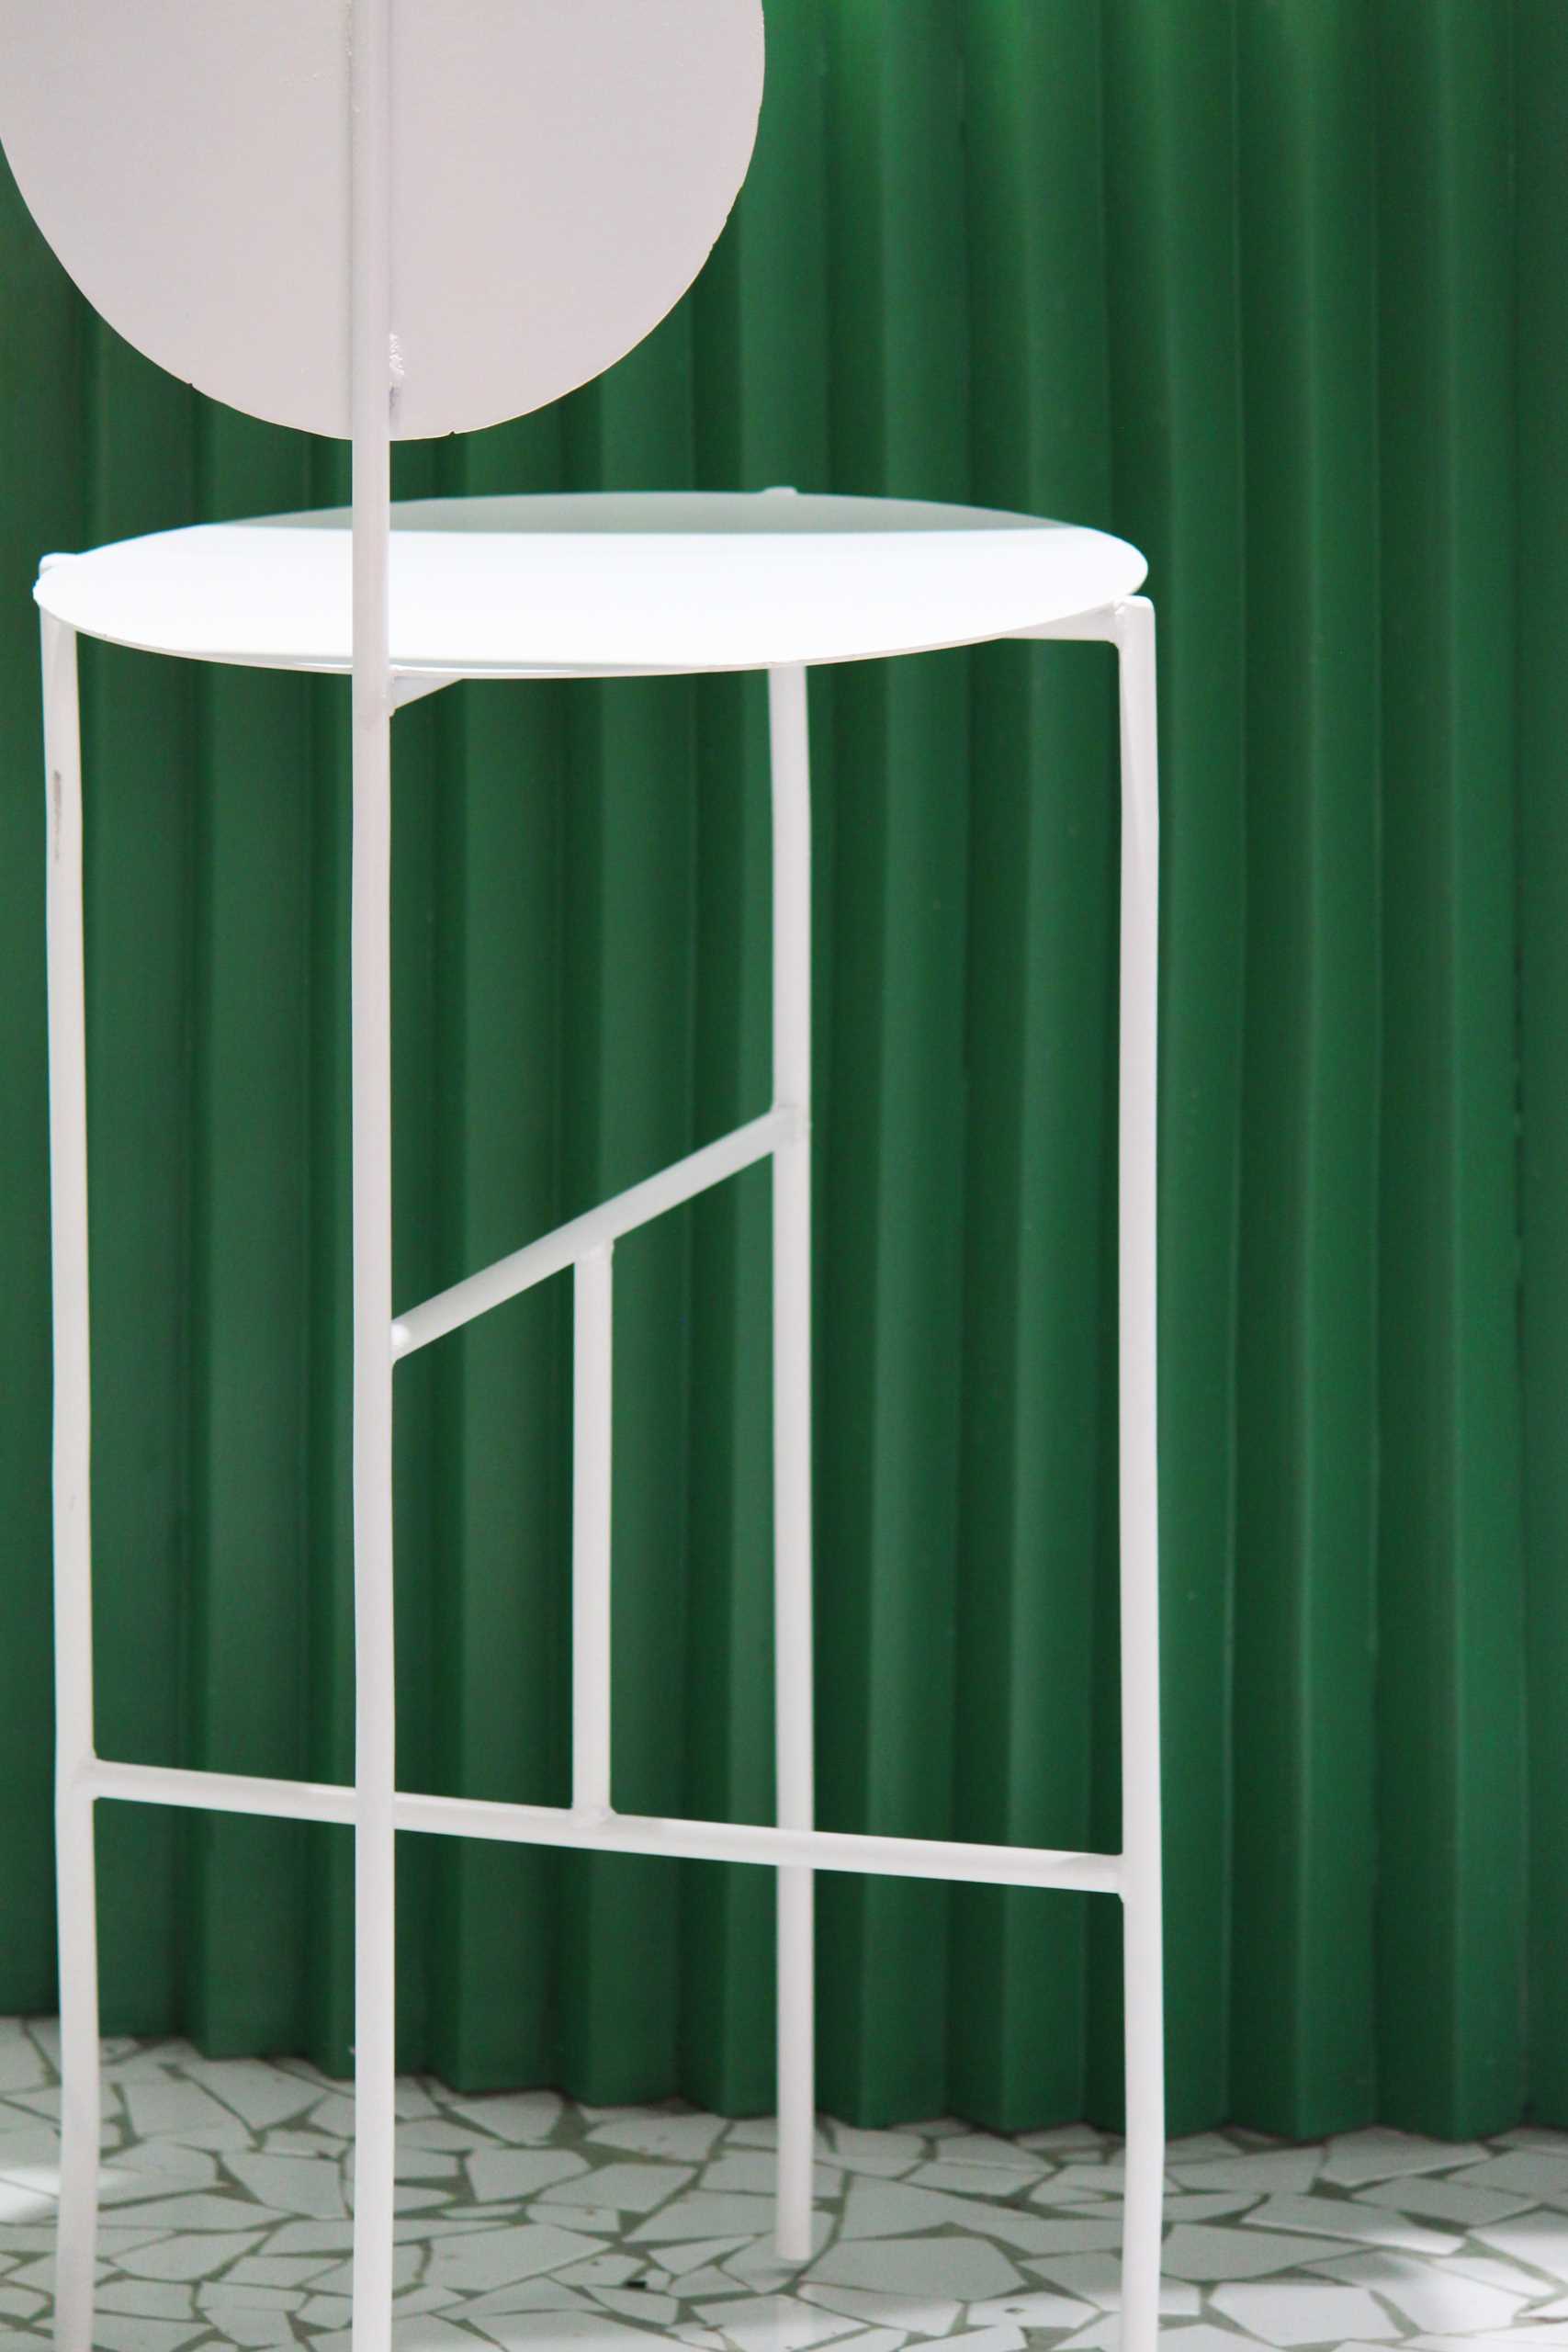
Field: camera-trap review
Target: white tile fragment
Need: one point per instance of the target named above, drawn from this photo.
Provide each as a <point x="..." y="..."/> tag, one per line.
<point x="428" y="2331"/>
<point x="697" y="2215"/>
<point x="1203" y="2338"/>
<point x="773" y="2323"/>
<point x="962" y="2268"/>
<point x="277" y="2269"/>
<point x="1291" y="2312"/>
<point x="888" y="2208"/>
<point x="1342" y="2216"/>
<point x="549" y="2294"/>
<point x="687" y="2138"/>
<point x="192" y="2255"/>
<point x="1429" y="2295"/>
<point x="169" y="2160"/>
<point x="1082" y="2180"/>
<point x="1200" y="2205"/>
<point x="337" y="2311"/>
<point x="973" y="2179"/>
<point x="910" y="2314"/>
<point x="601" y="2271"/>
<point x="495" y="2171"/>
<point x="520" y="2118"/>
<point x="1097" y="2278"/>
<point x="643" y="2309"/>
<point x="1356" y="2157"/>
<point x="756" y="2173"/>
<point x="1492" y="2271"/>
<point x="1030" y="2308"/>
<point x="1197" y="2147"/>
<point x="146" y="2298"/>
<point x="1461" y="2205"/>
<point x="114" y="2333"/>
<point x="258" y="2094"/>
<point x="1196" y="2251"/>
<point x="173" y="2109"/>
<point x="885" y="2153"/>
<point x="494" y="2257"/>
<point x="762" y="2132"/>
<point x="692" y="2253"/>
<point x="585" y="2331"/>
<point x="1275" y="2172"/>
<point x="306" y="2185"/>
<point x="621" y="2189"/>
<point x="966" y="2147"/>
<point x="1078" y="2234"/>
<point x="22" y="2066"/>
<point x="1538" y="2237"/>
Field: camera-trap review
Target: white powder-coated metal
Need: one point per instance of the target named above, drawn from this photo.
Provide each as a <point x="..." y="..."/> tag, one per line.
<point x="794" y="1848"/>
<point x="387" y="218"/>
<point x="559" y="170"/>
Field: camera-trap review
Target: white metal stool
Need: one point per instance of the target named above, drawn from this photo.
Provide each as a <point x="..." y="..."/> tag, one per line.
<point x="408" y="601"/>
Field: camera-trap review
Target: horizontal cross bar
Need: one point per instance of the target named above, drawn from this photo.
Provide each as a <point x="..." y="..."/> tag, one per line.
<point x="619" y="1833"/>
<point x="553" y="1252"/>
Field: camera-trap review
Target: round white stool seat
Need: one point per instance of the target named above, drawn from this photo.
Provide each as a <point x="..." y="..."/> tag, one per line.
<point x="599" y="585"/>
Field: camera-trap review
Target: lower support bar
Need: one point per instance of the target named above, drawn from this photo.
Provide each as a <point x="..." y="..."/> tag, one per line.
<point x="543" y="1824"/>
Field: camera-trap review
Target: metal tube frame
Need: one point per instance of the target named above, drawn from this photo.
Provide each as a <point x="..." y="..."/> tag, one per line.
<point x="794" y="1848"/>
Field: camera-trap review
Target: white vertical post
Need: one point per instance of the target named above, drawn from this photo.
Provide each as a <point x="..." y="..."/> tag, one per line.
<point x="79" y="2106"/>
<point x="1139" y="1480"/>
<point x="591" y="1472"/>
<point x="790" y="745"/>
<point x="371" y="1081"/>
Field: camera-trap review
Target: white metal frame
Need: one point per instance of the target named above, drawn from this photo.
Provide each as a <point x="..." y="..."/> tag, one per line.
<point x="373" y="1806"/>
<point x="794" y="1848"/>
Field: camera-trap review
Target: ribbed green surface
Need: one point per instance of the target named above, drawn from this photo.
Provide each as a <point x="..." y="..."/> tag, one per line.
<point x="1275" y="287"/>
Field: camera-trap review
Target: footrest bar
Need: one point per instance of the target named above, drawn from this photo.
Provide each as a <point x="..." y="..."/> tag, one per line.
<point x="726" y="1841"/>
<point x="554" y="1253"/>
<point x="218" y="1791"/>
<point x="619" y="1833"/>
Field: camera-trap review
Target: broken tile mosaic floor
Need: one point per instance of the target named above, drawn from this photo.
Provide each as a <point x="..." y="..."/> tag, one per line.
<point x="526" y="2221"/>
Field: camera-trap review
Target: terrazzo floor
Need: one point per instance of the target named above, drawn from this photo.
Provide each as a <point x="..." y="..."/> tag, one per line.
<point x="528" y="2222"/>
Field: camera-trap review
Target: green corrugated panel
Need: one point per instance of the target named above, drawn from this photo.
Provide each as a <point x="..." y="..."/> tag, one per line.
<point x="1540" y="67"/>
<point x="1252" y="281"/>
<point x="1305" y="1702"/>
<point x="1452" y="1653"/>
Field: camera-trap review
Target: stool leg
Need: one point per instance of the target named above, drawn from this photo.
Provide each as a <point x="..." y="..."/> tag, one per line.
<point x="375" y="1943"/>
<point x="374" y="1649"/>
<point x="1139" y="1481"/>
<point x="792" y="1446"/>
<point x="370" y="1017"/>
<point x="79" y="2105"/>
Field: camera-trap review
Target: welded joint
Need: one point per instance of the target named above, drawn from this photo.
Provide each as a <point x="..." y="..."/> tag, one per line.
<point x="1101" y="628"/>
<point x="412" y="685"/>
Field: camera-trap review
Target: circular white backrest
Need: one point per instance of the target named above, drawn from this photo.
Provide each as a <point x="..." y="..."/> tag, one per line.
<point x="561" y="170"/>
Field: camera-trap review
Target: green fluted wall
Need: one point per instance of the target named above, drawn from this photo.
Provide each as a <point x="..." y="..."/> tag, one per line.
<point x="1274" y="288"/>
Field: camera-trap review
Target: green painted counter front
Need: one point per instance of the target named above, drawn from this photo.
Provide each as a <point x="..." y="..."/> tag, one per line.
<point x="1273" y="288"/>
